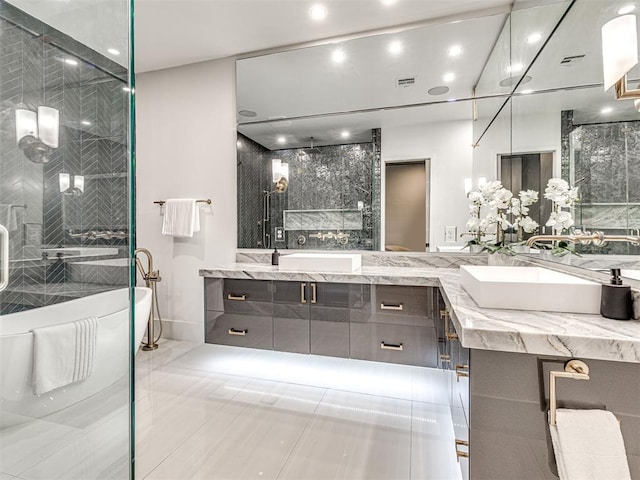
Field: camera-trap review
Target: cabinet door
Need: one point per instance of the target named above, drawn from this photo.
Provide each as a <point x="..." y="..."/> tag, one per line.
<point x="330" y="312"/>
<point x="246" y="297"/>
<point x="291" y="317"/>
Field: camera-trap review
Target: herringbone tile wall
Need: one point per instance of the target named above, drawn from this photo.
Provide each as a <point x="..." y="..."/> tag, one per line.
<point x="93" y="143"/>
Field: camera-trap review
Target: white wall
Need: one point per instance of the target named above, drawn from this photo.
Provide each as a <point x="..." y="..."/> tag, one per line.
<point x="523" y="134"/>
<point x="448" y="146"/>
<point x="186" y="147"/>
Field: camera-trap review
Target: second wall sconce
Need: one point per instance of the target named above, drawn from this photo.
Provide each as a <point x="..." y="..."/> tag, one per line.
<point x="620" y="54"/>
<point x="37" y="132"/>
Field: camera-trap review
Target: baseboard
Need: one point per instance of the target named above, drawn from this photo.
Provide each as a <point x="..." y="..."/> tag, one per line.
<point x="180" y="330"/>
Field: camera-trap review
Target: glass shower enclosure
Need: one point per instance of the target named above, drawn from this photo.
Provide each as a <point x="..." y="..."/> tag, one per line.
<point x="66" y="239"/>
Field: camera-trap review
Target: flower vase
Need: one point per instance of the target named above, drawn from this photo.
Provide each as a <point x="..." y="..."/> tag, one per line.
<point x="520" y="248"/>
<point x="475" y="248"/>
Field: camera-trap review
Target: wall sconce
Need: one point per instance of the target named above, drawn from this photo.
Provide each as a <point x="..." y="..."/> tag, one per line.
<point x="71" y="184"/>
<point x="37" y="133"/>
<point x="619" y="54"/>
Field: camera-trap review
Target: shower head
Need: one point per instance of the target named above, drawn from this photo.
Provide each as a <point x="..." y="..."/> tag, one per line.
<point x="311" y="149"/>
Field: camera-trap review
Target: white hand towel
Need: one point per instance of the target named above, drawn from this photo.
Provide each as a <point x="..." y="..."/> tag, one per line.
<point x="8" y="217"/>
<point x="181" y="217"/>
<point x="63" y="354"/>
<point x="588" y="445"/>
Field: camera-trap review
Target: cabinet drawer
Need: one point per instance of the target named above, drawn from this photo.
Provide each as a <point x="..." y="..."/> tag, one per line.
<point x="405" y="344"/>
<point x="239" y="330"/>
<point x="249" y="297"/>
<point x="398" y="300"/>
<point x="291" y="335"/>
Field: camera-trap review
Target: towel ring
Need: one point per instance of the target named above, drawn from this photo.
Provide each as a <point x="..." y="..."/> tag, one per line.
<point x="575" y="369"/>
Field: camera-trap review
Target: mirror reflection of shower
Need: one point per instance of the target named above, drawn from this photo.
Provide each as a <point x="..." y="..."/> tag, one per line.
<point x="37" y="133"/>
<point x="280" y="178"/>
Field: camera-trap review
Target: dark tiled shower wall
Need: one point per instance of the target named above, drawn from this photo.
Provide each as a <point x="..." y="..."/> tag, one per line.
<point x="337" y="177"/>
<point x="253" y="180"/>
<point x="606" y="162"/>
<point x="33" y="73"/>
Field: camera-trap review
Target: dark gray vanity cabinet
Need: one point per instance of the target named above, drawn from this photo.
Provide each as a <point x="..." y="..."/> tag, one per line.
<point x="239" y="313"/>
<point x="313" y="317"/>
<point x="399" y="328"/>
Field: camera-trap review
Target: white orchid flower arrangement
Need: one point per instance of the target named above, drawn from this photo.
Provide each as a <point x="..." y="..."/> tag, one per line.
<point x="562" y="197"/>
<point x="498" y="203"/>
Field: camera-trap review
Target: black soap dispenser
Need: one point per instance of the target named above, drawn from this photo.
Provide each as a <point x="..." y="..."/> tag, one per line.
<point x="616" y="300"/>
<point x="275" y="257"/>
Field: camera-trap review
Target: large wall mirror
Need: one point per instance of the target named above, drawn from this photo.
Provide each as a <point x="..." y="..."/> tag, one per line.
<point x="343" y="122"/>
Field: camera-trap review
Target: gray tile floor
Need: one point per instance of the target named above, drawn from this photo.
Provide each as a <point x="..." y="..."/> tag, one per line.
<point x="216" y="412"/>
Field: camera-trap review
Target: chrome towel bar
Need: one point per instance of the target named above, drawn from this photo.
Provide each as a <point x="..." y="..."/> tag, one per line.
<point x="207" y="201"/>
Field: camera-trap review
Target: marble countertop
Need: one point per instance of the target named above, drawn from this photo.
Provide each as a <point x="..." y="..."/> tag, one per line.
<point x="533" y="332"/>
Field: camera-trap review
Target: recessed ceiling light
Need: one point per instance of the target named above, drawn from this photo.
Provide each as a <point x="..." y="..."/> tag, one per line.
<point x="448" y="77"/>
<point x="627" y="9"/>
<point x="85" y="122"/>
<point x="318" y="12"/>
<point x="113" y="51"/>
<point x="345" y="134"/>
<point x="526" y="92"/>
<point x="281" y="139"/>
<point x="515" y="68"/>
<point x="455" y="51"/>
<point x="534" y="38"/>
<point x="338" y="55"/>
<point x="70" y="61"/>
<point x="606" y="110"/>
<point x="395" y="47"/>
<point x="388" y="3"/>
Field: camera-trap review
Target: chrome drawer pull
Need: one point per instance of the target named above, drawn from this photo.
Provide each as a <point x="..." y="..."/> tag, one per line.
<point x="461" y="443"/>
<point x="445" y="358"/>
<point x="314" y="293"/>
<point x="241" y="333"/>
<point x="384" y="306"/>
<point x="303" y="287"/>
<point x="391" y="346"/>
<point x="241" y="298"/>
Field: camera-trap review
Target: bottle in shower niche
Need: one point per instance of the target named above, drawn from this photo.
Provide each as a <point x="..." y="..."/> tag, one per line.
<point x="616" y="302"/>
<point x="275" y="257"/>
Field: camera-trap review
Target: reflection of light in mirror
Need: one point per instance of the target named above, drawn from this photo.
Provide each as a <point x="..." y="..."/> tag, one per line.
<point x="534" y="38"/>
<point x="85" y="122"/>
<point x="514" y="68"/>
<point x="627" y="9"/>
<point x="455" y="51"/>
<point x="606" y="110"/>
<point x="113" y="51"/>
<point x="448" y="77"/>
<point x="526" y="92"/>
<point x="281" y="139"/>
<point x="338" y="56"/>
<point x="345" y="134"/>
<point x="395" y="47"/>
<point x="318" y="12"/>
<point x="70" y="61"/>
<point x="451" y="100"/>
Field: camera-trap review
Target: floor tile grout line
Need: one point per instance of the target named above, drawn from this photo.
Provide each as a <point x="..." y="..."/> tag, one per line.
<point x="304" y="430"/>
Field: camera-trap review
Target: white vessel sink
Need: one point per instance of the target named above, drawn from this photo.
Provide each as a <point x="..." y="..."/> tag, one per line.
<point x="530" y="288"/>
<point x="321" y="262"/>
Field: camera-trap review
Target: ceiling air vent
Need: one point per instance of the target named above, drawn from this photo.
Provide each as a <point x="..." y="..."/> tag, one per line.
<point x="571" y="60"/>
<point x="405" y="82"/>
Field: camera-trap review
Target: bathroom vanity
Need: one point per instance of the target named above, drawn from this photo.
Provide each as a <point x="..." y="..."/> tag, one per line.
<point x="499" y="359"/>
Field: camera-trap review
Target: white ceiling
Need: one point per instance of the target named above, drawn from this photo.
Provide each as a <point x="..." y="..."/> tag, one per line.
<point x="177" y="32"/>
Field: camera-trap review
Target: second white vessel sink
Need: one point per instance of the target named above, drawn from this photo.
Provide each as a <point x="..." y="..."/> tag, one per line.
<point x="321" y="262"/>
<point x="530" y="288"/>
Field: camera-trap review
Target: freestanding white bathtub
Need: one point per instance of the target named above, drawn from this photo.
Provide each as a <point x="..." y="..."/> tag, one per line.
<point x="17" y="400"/>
